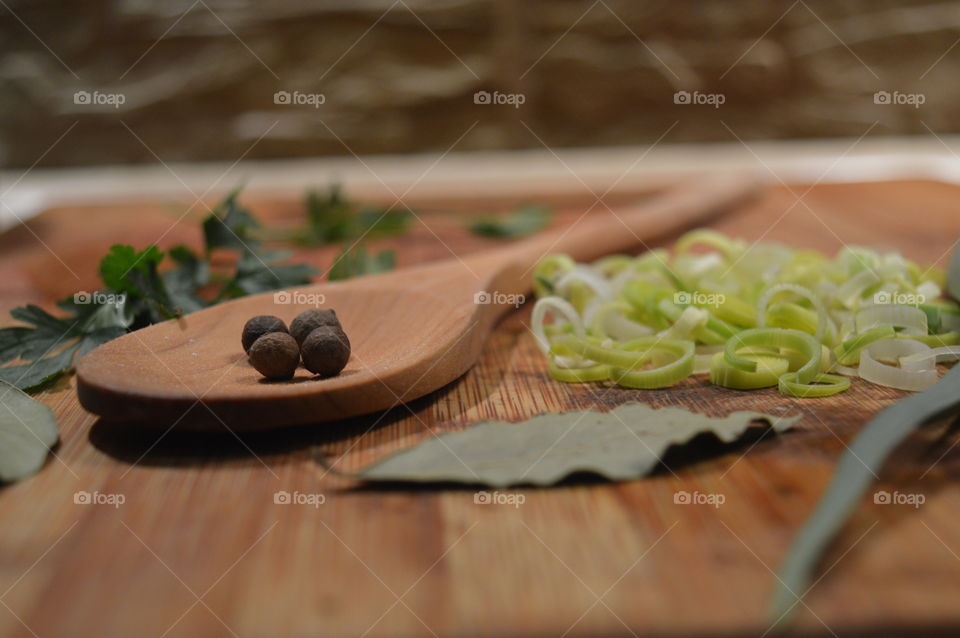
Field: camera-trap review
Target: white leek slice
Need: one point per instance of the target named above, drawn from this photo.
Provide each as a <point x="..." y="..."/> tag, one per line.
<point x="926" y="360"/>
<point x="873" y="370"/>
<point x="928" y="291"/>
<point x="911" y="320"/>
<point x="558" y="306"/>
<point x="590" y="278"/>
<point x="852" y="290"/>
<point x="691" y="319"/>
<point x="609" y="320"/>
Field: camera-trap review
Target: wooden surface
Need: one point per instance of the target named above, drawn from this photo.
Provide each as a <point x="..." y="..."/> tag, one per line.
<point x="412" y="331"/>
<point x="200" y="548"/>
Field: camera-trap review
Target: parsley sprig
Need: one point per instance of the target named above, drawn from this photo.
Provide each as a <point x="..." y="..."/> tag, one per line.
<point x="522" y="221"/>
<point x="332" y="218"/>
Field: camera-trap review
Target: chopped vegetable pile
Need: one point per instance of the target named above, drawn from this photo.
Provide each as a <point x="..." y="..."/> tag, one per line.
<point x="748" y="315"/>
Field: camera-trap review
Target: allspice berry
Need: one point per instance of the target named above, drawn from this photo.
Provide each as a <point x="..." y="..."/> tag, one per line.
<point x="326" y="351"/>
<point x="275" y="355"/>
<point x="309" y="320"/>
<point x="259" y="326"/>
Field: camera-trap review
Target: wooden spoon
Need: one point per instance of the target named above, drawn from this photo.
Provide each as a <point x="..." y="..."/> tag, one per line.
<point x="412" y="330"/>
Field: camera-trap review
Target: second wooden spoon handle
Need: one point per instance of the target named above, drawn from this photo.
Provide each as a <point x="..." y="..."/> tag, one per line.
<point x="604" y="231"/>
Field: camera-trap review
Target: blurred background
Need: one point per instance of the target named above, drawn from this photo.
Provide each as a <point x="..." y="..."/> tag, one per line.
<point x="131" y="82"/>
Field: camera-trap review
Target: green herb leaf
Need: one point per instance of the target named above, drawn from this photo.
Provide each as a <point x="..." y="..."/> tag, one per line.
<point x="30" y="343"/>
<point x="123" y="268"/>
<point x="182" y="282"/>
<point x="622" y="444"/>
<point x="231" y="226"/>
<point x="263" y="272"/>
<point x="356" y="262"/>
<point x="28" y="430"/>
<point x="38" y="374"/>
<point x="50" y="343"/>
<point x="522" y="221"/>
<point x="135" y="275"/>
<point x="855" y="473"/>
<point x="332" y="218"/>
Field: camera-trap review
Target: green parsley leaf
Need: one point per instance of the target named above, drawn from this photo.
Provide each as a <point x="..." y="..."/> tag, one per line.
<point x="134" y="275"/>
<point x="331" y="218"/>
<point x="230" y="226"/>
<point x="262" y="273"/>
<point x="182" y="282"/>
<point x="520" y="222"/>
<point x="48" y="344"/>
<point x="38" y="374"/>
<point x="356" y="262"/>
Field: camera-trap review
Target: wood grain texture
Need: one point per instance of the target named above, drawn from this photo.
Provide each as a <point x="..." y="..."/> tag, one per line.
<point x="584" y="559"/>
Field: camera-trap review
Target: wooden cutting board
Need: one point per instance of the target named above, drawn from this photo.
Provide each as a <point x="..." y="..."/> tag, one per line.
<point x="199" y="547"/>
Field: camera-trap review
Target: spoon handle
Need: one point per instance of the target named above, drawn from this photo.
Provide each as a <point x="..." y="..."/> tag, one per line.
<point x="605" y="231"/>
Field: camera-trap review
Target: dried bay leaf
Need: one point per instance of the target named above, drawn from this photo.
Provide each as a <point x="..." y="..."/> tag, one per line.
<point x="622" y="444"/>
<point x="28" y="430"/>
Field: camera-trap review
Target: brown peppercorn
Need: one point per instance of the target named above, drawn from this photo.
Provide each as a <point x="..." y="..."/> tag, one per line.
<point x="309" y="320"/>
<point x="326" y="351"/>
<point x="259" y="326"/>
<point x="275" y="355"/>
